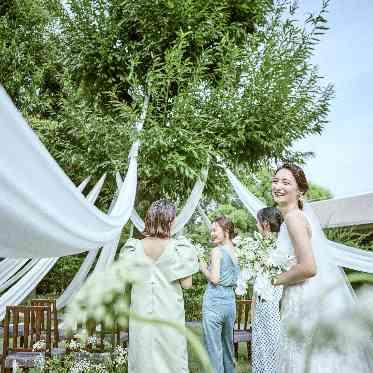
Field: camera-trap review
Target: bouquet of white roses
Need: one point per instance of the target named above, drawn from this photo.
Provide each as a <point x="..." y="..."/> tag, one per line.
<point x="260" y="261"/>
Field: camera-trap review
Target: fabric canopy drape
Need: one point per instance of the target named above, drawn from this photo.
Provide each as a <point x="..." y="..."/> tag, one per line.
<point x="108" y="252"/>
<point x="42" y="214"/>
<point x="18" y="292"/>
<point x="88" y="262"/>
<point x="187" y="211"/>
<point x="12" y="280"/>
<point x="38" y="269"/>
<point x="28" y="282"/>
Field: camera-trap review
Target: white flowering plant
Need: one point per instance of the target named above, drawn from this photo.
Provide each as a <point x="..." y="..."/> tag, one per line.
<point x="73" y="345"/>
<point x="202" y="252"/>
<point x="39" y="346"/>
<point x="260" y="261"/>
<point x="82" y="361"/>
<point x="120" y="356"/>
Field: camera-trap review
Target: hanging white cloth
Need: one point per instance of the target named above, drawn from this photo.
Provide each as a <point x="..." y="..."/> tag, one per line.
<point x="204" y="217"/>
<point x="7" y="273"/>
<point x="18" y="292"/>
<point x="107" y="254"/>
<point x="12" y="280"/>
<point x="87" y="264"/>
<point x="78" y="280"/>
<point x="42" y="214"/>
<point x="8" y="278"/>
<point x="7" y="263"/>
<point x="251" y="203"/>
<point x="187" y="211"/>
<point x="31" y="279"/>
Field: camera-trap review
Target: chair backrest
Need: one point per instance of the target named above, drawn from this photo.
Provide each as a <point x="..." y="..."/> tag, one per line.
<point x="23" y="325"/>
<point x="243" y="314"/>
<point x="99" y="331"/>
<point x="51" y="303"/>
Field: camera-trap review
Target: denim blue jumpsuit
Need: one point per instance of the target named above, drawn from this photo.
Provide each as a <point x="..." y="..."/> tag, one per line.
<point x="218" y="315"/>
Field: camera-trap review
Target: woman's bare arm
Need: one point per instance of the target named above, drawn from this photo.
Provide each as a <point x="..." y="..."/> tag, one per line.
<point x="187" y="282"/>
<point x="300" y="236"/>
<point x="213" y="275"/>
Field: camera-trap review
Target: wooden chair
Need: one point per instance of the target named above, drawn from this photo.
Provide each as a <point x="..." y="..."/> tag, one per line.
<point x="99" y="331"/>
<point x="51" y="303"/>
<point x="242" y="329"/>
<point x="23" y="324"/>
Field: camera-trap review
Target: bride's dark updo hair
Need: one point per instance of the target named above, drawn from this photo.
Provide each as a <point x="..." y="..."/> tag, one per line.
<point x="272" y="216"/>
<point x="299" y="177"/>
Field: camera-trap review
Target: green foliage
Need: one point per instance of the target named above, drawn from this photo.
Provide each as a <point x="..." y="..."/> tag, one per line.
<point x="317" y="193"/>
<point x="232" y="78"/>
<point x="193" y="298"/>
<point x="28" y="67"/>
<point x="59" y="277"/>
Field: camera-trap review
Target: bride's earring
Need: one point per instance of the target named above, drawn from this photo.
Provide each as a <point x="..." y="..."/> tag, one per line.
<point x="301" y="197"/>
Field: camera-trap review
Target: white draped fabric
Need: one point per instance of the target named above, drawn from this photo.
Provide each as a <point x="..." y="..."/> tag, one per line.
<point x="12" y="280"/>
<point x="6" y="264"/>
<point x="30" y="279"/>
<point x="187" y="211"/>
<point x="204" y="217"/>
<point x="350" y="257"/>
<point x="51" y="216"/>
<point x="345" y="211"/>
<point x="78" y="280"/>
<point x="251" y="203"/>
<point x="8" y="278"/>
<point x="18" y="292"/>
<point x="87" y="264"/>
<point x="11" y="270"/>
<point x="343" y="256"/>
<point x="107" y="254"/>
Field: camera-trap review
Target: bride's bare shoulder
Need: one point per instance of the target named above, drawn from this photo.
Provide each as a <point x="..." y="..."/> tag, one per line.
<point x="297" y="218"/>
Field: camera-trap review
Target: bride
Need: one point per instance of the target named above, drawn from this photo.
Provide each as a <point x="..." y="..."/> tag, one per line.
<point x="315" y="288"/>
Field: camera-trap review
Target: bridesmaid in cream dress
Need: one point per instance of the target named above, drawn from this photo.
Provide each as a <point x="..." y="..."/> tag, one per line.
<point x="168" y="266"/>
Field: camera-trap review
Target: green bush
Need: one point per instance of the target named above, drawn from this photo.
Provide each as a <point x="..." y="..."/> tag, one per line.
<point x="57" y="280"/>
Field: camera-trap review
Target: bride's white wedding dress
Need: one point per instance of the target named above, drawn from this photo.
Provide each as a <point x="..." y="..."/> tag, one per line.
<point x="304" y="305"/>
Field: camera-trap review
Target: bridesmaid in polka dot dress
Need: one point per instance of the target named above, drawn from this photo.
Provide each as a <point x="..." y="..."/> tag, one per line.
<point x="266" y="315"/>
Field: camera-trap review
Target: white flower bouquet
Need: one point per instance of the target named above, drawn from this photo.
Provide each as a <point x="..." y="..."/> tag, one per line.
<point x="260" y="261"/>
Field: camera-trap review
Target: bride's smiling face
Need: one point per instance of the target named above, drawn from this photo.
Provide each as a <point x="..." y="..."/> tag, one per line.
<point x="285" y="189"/>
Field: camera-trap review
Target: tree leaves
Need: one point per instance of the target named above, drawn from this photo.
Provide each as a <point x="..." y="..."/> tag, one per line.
<point x="232" y="78"/>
